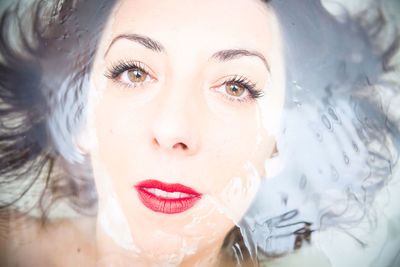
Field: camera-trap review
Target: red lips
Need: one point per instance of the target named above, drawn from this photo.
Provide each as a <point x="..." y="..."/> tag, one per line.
<point x="166" y="198"/>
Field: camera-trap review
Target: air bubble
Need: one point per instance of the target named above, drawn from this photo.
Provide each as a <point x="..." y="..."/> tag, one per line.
<point x="303" y="182"/>
<point x="326" y="122"/>
<point x="297" y="86"/>
<point x="297" y="103"/>
<point x="317" y="132"/>
<point x="334" y="174"/>
<point x="372" y="158"/>
<point x="284" y="198"/>
<point x="355" y="147"/>
<point x="346" y="159"/>
<point x="333" y="114"/>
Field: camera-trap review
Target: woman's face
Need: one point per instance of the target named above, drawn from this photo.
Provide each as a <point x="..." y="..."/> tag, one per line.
<point x="176" y="105"/>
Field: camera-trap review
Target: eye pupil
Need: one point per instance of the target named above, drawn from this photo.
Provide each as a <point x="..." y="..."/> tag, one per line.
<point x="234" y="89"/>
<point x="136" y="75"/>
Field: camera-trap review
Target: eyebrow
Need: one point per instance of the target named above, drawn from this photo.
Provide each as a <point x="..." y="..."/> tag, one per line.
<point x="223" y="55"/>
<point x="229" y="54"/>
<point x="143" y="40"/>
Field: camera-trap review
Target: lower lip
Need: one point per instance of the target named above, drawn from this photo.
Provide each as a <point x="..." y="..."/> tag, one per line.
<point x="166" y="205"/>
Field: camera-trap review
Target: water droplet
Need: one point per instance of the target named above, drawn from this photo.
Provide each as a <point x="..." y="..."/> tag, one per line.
<point x="319" y="136"/>
<point x="334" y="174"/>
<point x="317" y="132"/>
<point x="372" y="158"/>
<point x="333" y="114"/>
<point x="284" y="198"/>
<point x="297" y="103"/>
<point x="297" y="86"/>
<point x="346" y="158"/>
<point x="326" y="122"/>
<point x="355" y="147"/>
<point x="303" y="182"/>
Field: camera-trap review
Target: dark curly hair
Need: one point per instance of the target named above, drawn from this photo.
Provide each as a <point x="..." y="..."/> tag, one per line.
<point x="46" y="52"/>
<point x="338" y="142"/>
<point x="336" y="69"/>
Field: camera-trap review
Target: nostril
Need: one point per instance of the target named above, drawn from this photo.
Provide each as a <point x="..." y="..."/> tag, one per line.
<point x="180" y="145"/>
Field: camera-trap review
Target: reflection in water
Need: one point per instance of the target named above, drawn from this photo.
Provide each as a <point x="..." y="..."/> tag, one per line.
<point x="336" y="141"/>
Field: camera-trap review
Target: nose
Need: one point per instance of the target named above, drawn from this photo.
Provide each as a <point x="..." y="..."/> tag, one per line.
<point x="177" y="123"/>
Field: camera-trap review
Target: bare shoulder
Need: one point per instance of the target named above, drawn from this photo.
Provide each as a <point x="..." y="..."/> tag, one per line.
<point x="25" y="241"/>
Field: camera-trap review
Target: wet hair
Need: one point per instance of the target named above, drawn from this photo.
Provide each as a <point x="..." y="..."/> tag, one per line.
<point x="339" y="141"/>
<point x="46" y="53"/>
<point x="336" y="69"/>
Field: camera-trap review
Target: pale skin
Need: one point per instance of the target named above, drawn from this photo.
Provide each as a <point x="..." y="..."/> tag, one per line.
<point x="183" y="117"/>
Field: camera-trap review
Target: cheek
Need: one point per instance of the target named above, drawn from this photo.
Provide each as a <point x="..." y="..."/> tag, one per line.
<point x="238" y="137"/>
<point x="241" y="146"/>
<point x="120" y="134"/>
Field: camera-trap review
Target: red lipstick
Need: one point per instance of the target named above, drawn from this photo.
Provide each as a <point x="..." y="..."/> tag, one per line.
<point x="166" y="198"/>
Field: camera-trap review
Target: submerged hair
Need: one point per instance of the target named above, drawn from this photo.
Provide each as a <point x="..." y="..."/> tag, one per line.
<point x="46" y="53"/>
<point x="339" y="142"/>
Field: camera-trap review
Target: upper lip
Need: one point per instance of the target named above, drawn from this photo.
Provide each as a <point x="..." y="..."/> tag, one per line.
<point x="167" y="187"/>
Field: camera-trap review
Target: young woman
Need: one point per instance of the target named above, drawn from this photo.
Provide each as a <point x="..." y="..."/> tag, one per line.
<point x="166" y="118"/>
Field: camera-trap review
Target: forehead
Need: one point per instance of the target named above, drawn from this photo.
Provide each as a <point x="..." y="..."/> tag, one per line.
<point x="216" y="24"/>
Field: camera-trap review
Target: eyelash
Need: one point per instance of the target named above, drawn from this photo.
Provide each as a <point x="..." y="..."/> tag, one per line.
<point x="247" y="85"/>
<point x="120" y="67"/>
